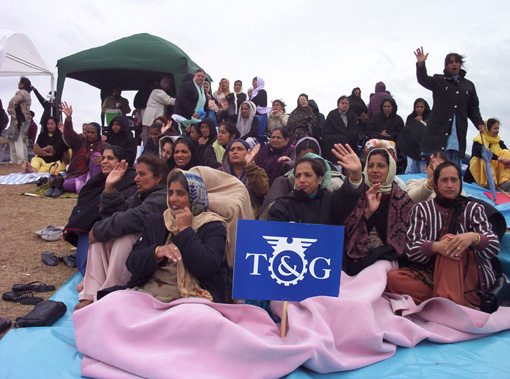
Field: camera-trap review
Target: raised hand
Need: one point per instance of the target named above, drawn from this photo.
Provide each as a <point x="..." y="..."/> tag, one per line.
<point x="373" y="200"/>
<point x="251" y="154"/>
<point x="67" y="110"/>
<point x="166" y="127"/>
<point x="420" y="56"/>
<point x="348" y="159"/>
<point x="115" y="176"/>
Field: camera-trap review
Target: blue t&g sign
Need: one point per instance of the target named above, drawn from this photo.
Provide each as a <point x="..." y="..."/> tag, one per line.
<point x="287" y="261"/>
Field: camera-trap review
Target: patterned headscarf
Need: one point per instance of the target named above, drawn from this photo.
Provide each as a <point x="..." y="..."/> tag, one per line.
<point x="386" y="186"/>
<point x="198" y="197"/>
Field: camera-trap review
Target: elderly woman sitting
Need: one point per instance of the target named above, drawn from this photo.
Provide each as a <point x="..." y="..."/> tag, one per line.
<point x="180" y="252"/>
<point x="451" y="249"/>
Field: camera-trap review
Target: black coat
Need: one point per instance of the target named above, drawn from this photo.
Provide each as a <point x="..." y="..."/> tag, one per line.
<point x="260" y="99"/>
<point x="336" y="131"/>
<point x="48" y="112"/>
<point x="393" y="124"/>
<point x="124" y="138"/>
<point x="450" y="97"/>
<point x="327" y="208"/>
<point x="86" y="211"/>
<point x="202" y="253"/>
<point x="187" y="99"/>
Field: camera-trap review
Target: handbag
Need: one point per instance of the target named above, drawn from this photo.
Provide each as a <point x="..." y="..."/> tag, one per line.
<point x="497" y="296"/>
<point x="43" y="314"/>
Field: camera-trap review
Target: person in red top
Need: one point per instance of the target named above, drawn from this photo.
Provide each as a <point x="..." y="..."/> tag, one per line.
<point x="86" y="158"/>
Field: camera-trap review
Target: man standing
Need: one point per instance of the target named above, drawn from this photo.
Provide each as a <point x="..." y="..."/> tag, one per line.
<point x="455" y="101"/>
<point x="191" y="100"/>
<point x="117" y="102"/>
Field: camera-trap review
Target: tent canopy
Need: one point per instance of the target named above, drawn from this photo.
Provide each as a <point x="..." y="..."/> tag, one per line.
<point x="19" y="57"/>
<point x="131" y="63"/>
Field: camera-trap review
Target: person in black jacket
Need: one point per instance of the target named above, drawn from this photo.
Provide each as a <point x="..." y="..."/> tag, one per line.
<point x="386" y="124"/>
<point x="455" y="100"/>
<point x="187" y="241"/>
<point x="208" y="135"/>
<point x="50" y="107"/>
<point x="341" y="126"/>
<point x="120" y="135"/>
<point x="309" y="203"/>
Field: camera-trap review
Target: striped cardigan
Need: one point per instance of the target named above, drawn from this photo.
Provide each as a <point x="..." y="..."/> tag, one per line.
<point x="426" y="221"/>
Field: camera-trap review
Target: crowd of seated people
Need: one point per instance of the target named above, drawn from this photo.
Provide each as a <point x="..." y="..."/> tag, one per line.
<point x="297" y="167"/>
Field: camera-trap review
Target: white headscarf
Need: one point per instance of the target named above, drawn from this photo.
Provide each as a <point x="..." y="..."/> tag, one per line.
<point x="244" y="126"/>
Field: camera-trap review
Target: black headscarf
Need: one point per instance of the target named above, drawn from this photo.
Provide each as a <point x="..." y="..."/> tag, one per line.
<point x="455" y="206"/>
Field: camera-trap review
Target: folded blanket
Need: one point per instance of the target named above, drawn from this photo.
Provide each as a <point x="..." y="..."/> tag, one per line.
<point x="131" y="334"/>
<point x="18" y="178"/>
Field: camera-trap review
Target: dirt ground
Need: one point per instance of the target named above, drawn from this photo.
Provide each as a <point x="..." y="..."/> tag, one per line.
<point x="20" y="247"/>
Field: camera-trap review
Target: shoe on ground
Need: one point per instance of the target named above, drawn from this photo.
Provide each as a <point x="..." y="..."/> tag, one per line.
<point x="49" y="258"/>
<point x="5" y="324"/>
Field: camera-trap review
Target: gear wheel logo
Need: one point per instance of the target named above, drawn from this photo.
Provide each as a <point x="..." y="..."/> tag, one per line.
<point x="288" y="264"/>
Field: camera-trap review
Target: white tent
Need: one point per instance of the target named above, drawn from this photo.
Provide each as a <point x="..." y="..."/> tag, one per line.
<point x="19" y="57"/>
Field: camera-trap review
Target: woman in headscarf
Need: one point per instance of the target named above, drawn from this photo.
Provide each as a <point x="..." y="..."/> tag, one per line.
<point x="358" y="106"/>
<point x="309" y="202"/>
<point x="213" y="154"/>
<point x="247" y="122"/>
<point x="302" y="120"/>
<point x="86" y="158"/>
<point x="180" y="253"/>
<point x="409" y="138"/>
<point x="48" y="148"/>
<point x="377" y="227"/>
<point x="451" y="249"/>
<point x="239" y="161"/>
<point x="500" y="160"/>
<point x="184" y="155"/>
<point x="259" y="95"/>
<point x="284" y="183"/>
<point x="208" y="135"/>
<point x="356" y="103"/>
<point x="270" y="154"/>
<point x="120" y="135"/>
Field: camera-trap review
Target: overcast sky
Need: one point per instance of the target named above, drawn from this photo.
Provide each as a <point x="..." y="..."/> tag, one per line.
<point x="322" y="48"/>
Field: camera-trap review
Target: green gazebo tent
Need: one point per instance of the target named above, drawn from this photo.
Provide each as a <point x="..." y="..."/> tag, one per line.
<point x="130" y="63"/>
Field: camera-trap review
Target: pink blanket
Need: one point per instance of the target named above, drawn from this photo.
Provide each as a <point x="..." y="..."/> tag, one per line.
<point x="131" y="334"/>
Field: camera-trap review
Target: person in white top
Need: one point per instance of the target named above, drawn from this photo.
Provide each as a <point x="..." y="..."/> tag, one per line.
<point x="156" y="104"/>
